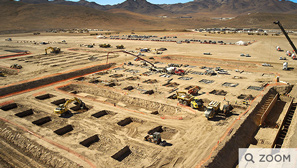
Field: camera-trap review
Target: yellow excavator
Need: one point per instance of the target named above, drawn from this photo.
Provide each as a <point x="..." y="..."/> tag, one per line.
<point x="63" y="108"/>
<point x="55" y="50"/>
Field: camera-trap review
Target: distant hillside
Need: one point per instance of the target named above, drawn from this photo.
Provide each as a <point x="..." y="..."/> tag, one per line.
<point x="22" y="17"/>
<point x="140" y="6"/>
<point x="263" y="20"/>
<point x="232" y="6"/>
<point x="196" y="6"/>
<point x="63" y="2"/>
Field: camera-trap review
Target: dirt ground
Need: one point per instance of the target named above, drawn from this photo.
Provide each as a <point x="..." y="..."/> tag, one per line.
<point x="111" y="132"/>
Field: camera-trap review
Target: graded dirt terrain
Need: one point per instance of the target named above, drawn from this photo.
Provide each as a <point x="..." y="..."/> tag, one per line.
<point x="126" y="101"/>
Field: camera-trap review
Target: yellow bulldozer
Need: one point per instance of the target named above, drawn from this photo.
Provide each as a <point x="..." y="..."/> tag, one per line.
<point x="63" y="108"/>
<point x="54" y="50"/>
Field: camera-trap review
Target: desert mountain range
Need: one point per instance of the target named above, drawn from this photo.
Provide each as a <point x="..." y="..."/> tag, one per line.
<point x="35" y="15"/>
<point x="216" y="6"/>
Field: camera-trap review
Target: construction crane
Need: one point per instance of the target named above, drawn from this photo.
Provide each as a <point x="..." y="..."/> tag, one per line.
<point x="286" y="34"/>
<point x="63" y="108"/>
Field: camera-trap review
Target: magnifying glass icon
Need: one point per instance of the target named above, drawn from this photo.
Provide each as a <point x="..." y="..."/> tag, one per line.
<point x="249" y="157"/>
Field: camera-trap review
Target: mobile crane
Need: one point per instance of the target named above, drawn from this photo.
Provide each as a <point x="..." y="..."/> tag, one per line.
<point x="287" y="36"/>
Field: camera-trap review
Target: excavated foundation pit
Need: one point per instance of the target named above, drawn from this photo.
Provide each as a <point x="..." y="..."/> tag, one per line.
<point x="78" y="108"/>
<point x="110" y="84"/>
<point x="257" y="88"/>
<point x="129" y="88"/>
<point x="149" y="92"/>
<point x="95" y="81"/>
<point x="45" y="96"/>
<point x="206" y="81"/>
<point x="245" y="97"/>
<point x="89" y="141"/>
<point x="173" y="84"/>
<point x="150" y="81"/>
<point x="173" y="96"/>
<point x="230" y="84"/>
<point x="155" y="112"/>
<point x="125" y="122"/>
<point x="58" y="102"/>
<point x="64" y="130"/>
<point x="189" y="87"/>
<point x="103" y="113"/>
<point x="25" y="113"/>
<point x="9" y="107"/>
<point x="122" y="154"/>
<point x="42" y="121"/>
<point x="116" y="75"/>
<point x="166" y="133"/>
<point x="218" y="92"/>
<point x="74" y="92"/>
<point x="133" y="78"/>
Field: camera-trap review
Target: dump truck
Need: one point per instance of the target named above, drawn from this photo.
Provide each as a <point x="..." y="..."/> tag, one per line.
<point x="184" y="98"/>
<point x="194" y="90"/>
<point x="212" y="109"/>
<point x="189" y="100"/>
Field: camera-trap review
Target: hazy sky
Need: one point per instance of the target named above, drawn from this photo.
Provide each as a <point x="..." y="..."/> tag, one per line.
<point x="112" y="2"/>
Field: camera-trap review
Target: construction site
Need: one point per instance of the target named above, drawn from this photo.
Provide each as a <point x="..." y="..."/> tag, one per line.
<point x="103" y="101"/>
